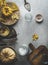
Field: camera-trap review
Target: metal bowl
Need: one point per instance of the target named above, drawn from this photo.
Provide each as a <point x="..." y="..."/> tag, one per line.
<point x="11" y="38"/>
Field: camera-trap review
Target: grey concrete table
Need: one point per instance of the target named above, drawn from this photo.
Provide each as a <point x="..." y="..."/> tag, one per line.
<point x="25" y="29"/>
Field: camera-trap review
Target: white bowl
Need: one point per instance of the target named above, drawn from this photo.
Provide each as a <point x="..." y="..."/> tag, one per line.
<point x="23" y="50"/>
<point x="39" y="18"/>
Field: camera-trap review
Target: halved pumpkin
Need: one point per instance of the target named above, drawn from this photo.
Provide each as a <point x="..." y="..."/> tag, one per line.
<point x="8" y="54"/>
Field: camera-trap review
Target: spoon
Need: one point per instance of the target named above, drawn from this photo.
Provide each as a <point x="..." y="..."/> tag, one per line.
<point x="27" y="5"/>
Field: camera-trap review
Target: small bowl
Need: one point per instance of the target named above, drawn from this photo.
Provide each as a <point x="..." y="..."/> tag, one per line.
<point x="23" y="50"/>
<point x="39" y="18"/>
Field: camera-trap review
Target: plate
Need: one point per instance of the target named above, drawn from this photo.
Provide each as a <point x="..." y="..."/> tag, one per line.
<point x="11" y="20"/>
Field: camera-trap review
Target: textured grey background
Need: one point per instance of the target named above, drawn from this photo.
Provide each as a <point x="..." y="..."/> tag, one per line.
<point x="25" y="29"/>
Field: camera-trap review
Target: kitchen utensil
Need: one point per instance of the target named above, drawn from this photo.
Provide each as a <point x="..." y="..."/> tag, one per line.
<point x="35" y="57"/>
<point x="27" y="5"/>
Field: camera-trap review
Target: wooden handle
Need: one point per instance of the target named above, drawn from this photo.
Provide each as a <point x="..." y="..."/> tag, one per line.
<point x="31" y="46"/>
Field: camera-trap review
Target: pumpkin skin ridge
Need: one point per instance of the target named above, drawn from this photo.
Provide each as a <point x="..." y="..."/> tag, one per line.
<point x="15" y="58"/>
